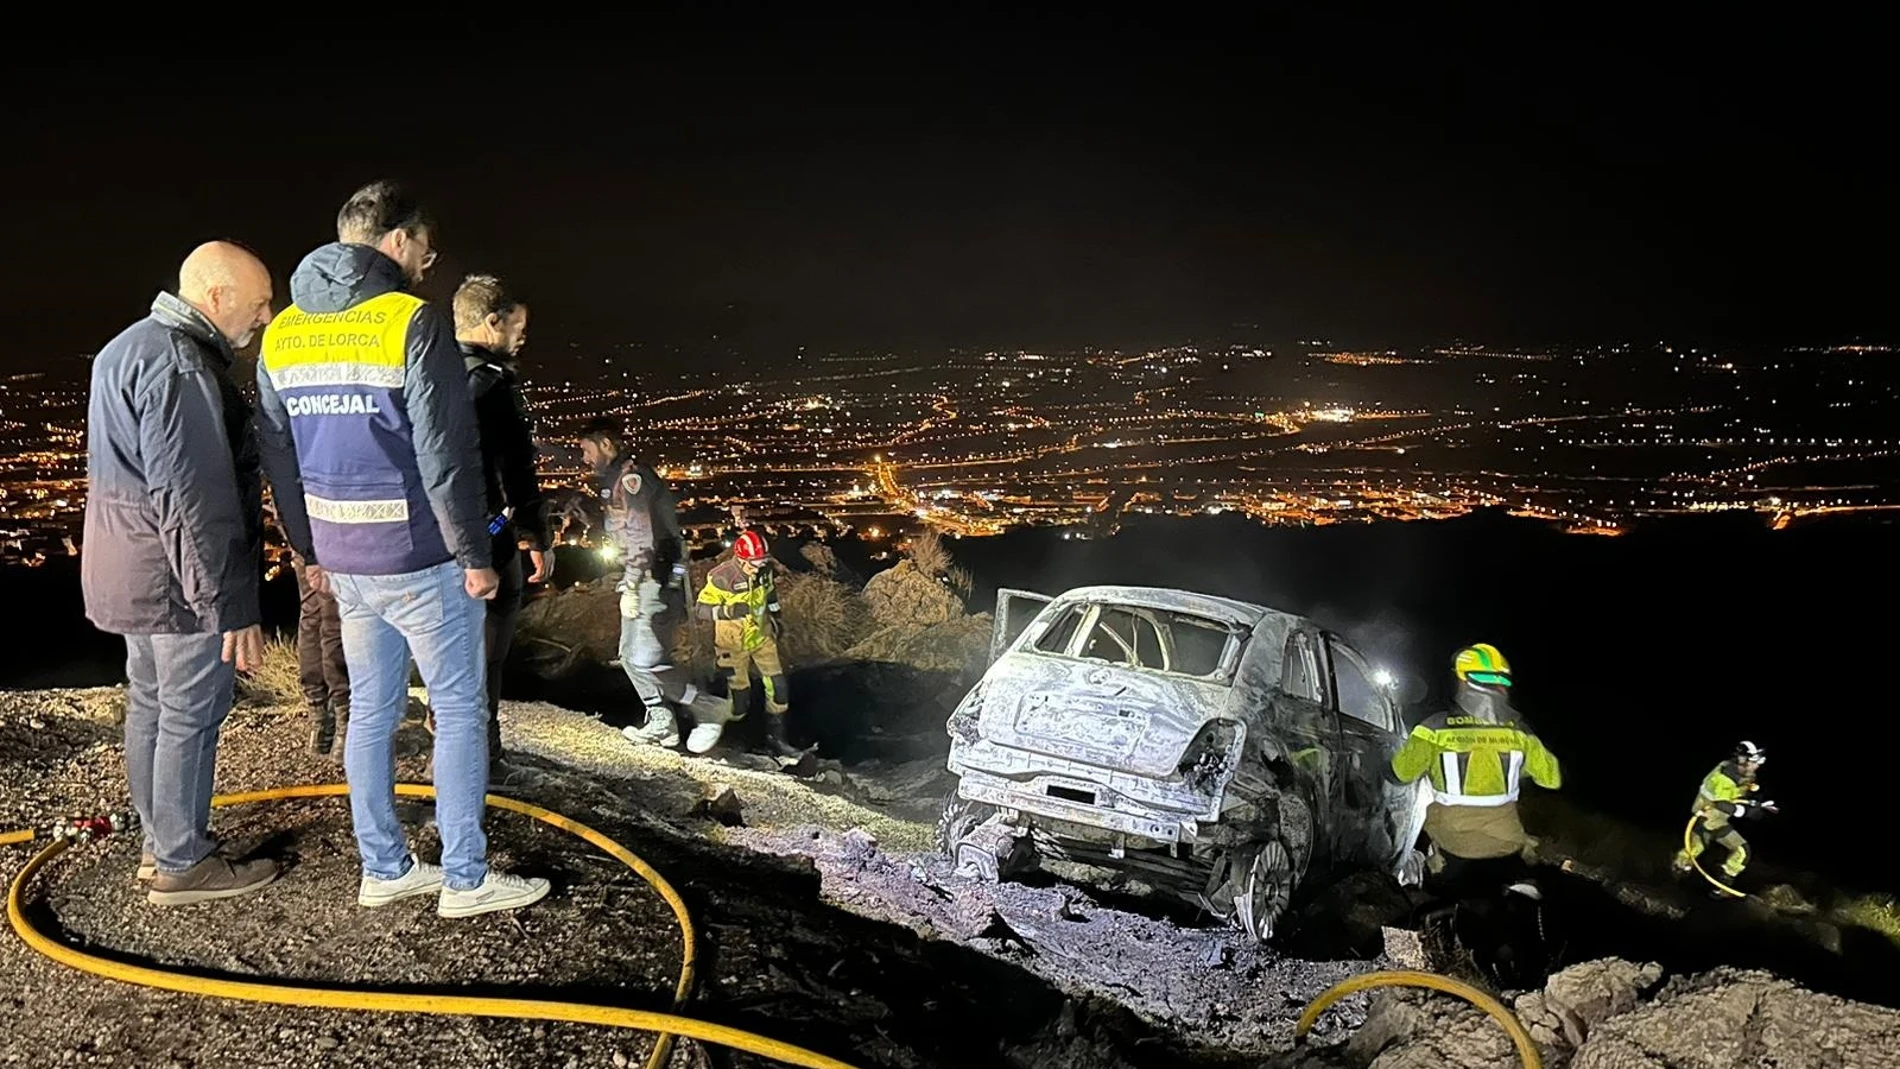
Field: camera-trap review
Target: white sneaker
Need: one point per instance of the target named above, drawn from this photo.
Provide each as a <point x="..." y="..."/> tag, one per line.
<point x="498" y="890"/>
<point x="704" y="736"/>
<point x="421" y="879"/>
<point x="661" y="729"/>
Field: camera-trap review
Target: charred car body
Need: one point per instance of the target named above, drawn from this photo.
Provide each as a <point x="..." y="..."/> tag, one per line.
<point x="1214" y="750"/>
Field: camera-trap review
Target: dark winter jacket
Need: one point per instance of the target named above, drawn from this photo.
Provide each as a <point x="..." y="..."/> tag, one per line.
<point x="508" y="451"/>
<point x="174" y="527"/>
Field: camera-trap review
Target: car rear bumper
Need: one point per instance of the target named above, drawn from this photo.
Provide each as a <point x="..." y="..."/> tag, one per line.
<point x="1085" y="802"/>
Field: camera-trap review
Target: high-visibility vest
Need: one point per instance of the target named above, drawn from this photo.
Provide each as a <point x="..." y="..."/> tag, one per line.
<point x="340" y="376"/>
<point x="1473" y="761"/>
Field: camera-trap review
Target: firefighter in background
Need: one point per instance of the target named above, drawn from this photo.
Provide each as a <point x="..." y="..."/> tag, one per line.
<point x="644" y="525"/>
<point x="1723" y="798"/>
<point x="741" y="600"/>
<point x="1476" y="755"/>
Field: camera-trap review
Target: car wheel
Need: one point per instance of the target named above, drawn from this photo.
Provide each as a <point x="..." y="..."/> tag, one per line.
<point x="960" y="817"/>
<point x="1265" y="891"/>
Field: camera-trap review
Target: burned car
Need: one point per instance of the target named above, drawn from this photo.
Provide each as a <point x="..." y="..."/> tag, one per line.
<point x="1213" y="750"/>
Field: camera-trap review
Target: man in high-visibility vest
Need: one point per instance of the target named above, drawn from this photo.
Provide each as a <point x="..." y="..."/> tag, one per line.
<point x="1476" y="755"/>
<point x="1725" y="796"/>
<point x="369" y="437"/>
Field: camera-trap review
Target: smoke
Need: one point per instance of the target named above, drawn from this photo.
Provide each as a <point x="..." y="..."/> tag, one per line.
<point x="1388" y="639"/>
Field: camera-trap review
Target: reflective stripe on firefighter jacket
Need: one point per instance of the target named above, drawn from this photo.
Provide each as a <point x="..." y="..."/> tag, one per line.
<point x="728" y="584"/>
<point x="340" y="376"/>
<point x="1473" y="761"/>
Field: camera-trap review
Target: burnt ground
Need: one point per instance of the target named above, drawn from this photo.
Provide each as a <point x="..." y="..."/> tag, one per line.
<point x="824" y="920"/>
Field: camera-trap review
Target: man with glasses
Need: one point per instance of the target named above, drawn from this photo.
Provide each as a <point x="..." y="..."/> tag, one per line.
<point x="370" y="441"/>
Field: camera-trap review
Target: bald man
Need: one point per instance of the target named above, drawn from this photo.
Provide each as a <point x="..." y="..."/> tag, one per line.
<point x="171" y="556"/>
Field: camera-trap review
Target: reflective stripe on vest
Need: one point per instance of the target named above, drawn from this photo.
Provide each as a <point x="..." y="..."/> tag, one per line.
<point x="340" y="376"/>
<point x="1452" y="767"/>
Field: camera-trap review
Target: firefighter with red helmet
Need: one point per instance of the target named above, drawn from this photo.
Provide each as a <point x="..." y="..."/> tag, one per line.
<point x="741" y="600"/>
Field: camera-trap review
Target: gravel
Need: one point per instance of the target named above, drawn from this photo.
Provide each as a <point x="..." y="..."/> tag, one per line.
<point x="821" y="922"/>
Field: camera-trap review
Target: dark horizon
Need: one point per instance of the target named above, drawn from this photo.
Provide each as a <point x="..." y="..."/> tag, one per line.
<point x="1033" y="183"/>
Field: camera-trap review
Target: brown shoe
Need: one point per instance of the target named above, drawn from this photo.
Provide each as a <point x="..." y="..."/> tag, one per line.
<point x="148" y="867"/>
<point x="215" y="877"/>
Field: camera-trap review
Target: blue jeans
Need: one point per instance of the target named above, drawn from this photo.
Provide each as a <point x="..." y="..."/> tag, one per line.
<point x="177" y="694"/>
<point x="386" y="620"/>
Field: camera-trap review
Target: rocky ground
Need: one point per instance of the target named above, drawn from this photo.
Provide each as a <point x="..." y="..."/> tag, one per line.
<point x="784" y="954"/>
<point x="825" y="919"/>
<point x="825" y="916"/>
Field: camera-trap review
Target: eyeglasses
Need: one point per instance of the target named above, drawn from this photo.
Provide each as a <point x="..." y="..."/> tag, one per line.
<point x="429" y="258"/>
<point x="1489" y="679"/>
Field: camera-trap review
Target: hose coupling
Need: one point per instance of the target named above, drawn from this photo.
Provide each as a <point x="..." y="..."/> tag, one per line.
<point x="87" y="829"/>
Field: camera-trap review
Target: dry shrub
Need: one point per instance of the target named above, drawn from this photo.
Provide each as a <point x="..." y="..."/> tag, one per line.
<point x="960" y="581"/>
<point x="929" y="555"/>
<point x="823" y="618"/>
<point x="275" y="682"/>
<point x="820" y="557"/>
<point x="950" y="646"/>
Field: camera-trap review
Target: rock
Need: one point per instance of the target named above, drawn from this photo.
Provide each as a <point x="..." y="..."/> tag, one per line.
<point x="722" y="804"/>
<point x="1579" y="998"/>
<point x="1404" y="948"/>
<point x="859" y="845"/>
<point x="620" y="1060"/>
<point x="1744" y="1019"/>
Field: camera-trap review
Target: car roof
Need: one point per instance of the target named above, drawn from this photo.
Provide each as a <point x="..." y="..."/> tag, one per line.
<point x="1186" y="601"/>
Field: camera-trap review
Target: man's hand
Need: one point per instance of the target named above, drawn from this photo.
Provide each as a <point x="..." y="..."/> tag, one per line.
<point x="543" y="564"/>
<point x="245" y="648"/>
<point x="481" y="583"/>
<point x="318" y="580"/>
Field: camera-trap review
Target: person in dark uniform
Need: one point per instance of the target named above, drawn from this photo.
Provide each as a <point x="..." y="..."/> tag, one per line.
<point x="643" y="524"/>
<point x="491" y="326"/>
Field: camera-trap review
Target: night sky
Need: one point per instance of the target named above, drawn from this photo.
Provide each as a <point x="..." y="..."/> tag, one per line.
<point x="1011" y="182"/>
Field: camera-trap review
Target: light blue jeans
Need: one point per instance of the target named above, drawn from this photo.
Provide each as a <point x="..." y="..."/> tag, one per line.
<point x="177" y="694"/>
<point x="386" y="620"/>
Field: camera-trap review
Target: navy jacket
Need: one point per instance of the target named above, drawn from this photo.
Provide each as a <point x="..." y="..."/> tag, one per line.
<point x="174" y="526"/>
<point x="369" y="435"/>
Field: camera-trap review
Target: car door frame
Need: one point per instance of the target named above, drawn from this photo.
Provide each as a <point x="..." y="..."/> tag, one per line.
<point x="1321" y="777"/>
<point x="1366" y="753"/>
<point x="1005" y="601"/>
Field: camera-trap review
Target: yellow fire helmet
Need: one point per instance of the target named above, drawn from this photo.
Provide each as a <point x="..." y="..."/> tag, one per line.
<point x="1482" y="665"/>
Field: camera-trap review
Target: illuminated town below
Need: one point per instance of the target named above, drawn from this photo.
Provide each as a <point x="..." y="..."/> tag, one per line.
<point x="977" y="443"/>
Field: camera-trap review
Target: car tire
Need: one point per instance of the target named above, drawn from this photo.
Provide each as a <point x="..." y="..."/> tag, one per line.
<point x="960" y="817"/>
<point x="1265" y="889"/>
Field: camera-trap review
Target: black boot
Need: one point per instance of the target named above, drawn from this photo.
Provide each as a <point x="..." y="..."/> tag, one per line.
<point x="340" y="712"/>
<point x="322" y="730"/>
<point x="775" y="743"/>
<point x="498" y="767"/>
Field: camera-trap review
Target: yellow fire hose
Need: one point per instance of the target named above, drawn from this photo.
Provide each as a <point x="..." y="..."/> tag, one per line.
<point x="666" y="1025"/>
<point x="1526" y="1050"/>
<point x="1688" y="838"/>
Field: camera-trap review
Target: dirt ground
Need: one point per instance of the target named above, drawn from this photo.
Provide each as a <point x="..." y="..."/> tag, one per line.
<point x="824" y="920"/>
